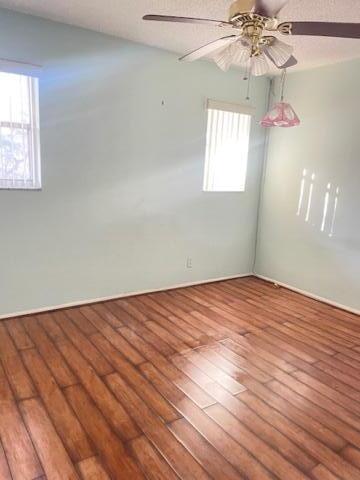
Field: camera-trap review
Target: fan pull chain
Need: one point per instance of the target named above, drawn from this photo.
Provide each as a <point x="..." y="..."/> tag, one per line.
<point x="247" y="77"/>
<point x="248" y="87"/>
<point x="283" y="78"/>
<point x="247" y="71"/>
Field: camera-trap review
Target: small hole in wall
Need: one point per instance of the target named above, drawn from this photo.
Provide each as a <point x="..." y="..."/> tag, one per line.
<point x="162" y="102"/>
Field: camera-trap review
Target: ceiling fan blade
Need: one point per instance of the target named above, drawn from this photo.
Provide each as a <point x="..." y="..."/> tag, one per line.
<point x="203" y="21"/>
<point x="291" y="62"/>
<point x="321" y="29"/>
<point x="209" y="48"/>
<point x="269" y="8"/>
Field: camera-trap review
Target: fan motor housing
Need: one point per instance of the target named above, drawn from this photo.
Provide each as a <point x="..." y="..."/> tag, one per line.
<point x="240" y="7"/>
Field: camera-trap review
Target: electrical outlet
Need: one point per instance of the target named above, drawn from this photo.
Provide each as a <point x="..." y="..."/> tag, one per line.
<point x="189" y="262"/>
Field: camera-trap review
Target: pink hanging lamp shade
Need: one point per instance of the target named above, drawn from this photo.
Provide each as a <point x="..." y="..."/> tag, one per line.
<point x="281" y="115"/>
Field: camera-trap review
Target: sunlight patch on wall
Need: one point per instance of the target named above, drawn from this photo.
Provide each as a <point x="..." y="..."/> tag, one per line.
<point x="302" y="188"/>
<point x="307" y="208"/>
<point x="326" y="205"/>
<point x="336" y="199"/>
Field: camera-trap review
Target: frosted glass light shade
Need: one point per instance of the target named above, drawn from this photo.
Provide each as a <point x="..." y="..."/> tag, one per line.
<point x="241" y="53"/>
<point x="259" y="65"/>
<point x="281" y="115"/>
<point x="237" y="53"/>
<point x="223" y="59"/>
<point x="280" y="52"/>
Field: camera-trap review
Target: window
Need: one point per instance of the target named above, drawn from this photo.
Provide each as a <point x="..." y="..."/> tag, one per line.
<point x="19" y="132"/>
<point x="227" y="146"/>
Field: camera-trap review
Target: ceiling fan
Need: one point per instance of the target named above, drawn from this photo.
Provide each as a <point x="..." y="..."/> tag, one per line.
<point x="249" y="45"/>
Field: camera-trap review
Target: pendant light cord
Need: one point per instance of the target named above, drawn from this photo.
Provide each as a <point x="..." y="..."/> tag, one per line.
<point x="248" y="87"/>
<point x="247" y="77"/>
<point x="283" y="78"/>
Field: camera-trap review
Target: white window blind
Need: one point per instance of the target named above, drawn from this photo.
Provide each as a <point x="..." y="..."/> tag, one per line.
<point x="19" y="132"/>
<point x="227" y="147"/>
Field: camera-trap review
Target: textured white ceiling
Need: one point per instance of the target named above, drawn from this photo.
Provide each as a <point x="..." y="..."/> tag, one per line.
<point x="123" y="18"/>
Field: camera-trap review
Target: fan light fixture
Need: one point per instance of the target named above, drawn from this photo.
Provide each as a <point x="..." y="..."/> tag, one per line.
<point x="281" y="114"/>
<point x="250" y="20"/>
<point x="238" y="52"/>
<point x="279" y="52"/>
<point x="242" y="53"/>
<point x="258" y="65"/>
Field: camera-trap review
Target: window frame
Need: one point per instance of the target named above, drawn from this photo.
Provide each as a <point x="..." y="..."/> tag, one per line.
<point x="213" y="105"/>
<point x="32" y="128"/>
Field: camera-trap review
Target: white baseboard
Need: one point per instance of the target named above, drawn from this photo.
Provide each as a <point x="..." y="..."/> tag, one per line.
<point x="309" y="294"/>
<point x="120" y="295"/>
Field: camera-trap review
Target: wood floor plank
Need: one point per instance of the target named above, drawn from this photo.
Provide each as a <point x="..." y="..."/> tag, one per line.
<point x="185" y="384"/>
<point x="18" y="334"/>
<point x="81" y="342"/>
<point x="319" y="431"/>
<point x="152" y="463"/>
<point x="352" y="455"/>
<point x="214" y="463"/>
<point x="334" y="462"/>
<point x="234" y="453"/>
<point x="311" y="425"/>
<point x="340" y="371"/>
<point x="316" y="412"/>
<point x="322" y="473"/>
<point x="80" y="321"/>
<point x="328" y="392"/>
<point x="316" y="333"/>
<point x="208" y="330"/>
<point x="47" y="349"/>
<point x="230" y="359"/>
<point x="215" y="373"/>
<point x="140" y="329"/>
<point x="117" y="340"/>
<point x="232" y="326"/>
<point x="165" y="335"/>
<point x="151" y="310"/>
<point x="53" y="456"/>
<point x="190" y="297"/>
<point x="114" y="413"/>
<point x="63" y="418"/>
<point x="21" y="456"/>
<point x="255" y="423"/>
<point x="174" y="452"/>
<point x="92" y="469"/>
<point x="4" y="466"/>
<point x="129" y="373"/>
<point x="111" y="450"/>
<point x="270" y="458"/>
<point x="297" y="350"/>
<point x="247" y="323"/>
<point x="52" y="329"/>
<point x="107" y="315"/>
<point x="258" y="356"/>
<point x="331" y="381"/>
<point x="14" y="368"/>
<point x="237" y="379"/>
<point x="131" y="310"/>
<point x="148" y="347"/>
<point x="222" y="330"/>
<point x="178" y="311"/>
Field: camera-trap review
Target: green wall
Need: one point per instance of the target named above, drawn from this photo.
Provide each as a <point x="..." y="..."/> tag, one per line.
<point x="122" y="140"/>
<point x="324" y="262"/>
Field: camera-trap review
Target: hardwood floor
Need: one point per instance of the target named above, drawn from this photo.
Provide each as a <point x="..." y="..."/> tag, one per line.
<point x="230" y="380"/>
